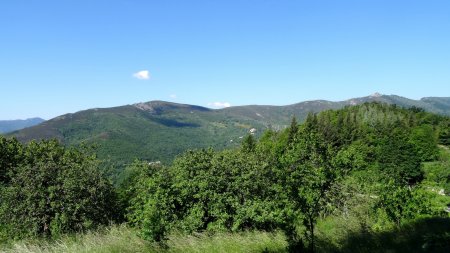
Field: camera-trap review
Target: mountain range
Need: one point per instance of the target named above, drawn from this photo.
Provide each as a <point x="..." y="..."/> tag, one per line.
<point x="13" y="125"/>
<point x="158" y="130"/>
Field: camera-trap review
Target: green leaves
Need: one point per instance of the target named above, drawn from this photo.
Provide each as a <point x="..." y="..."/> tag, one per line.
<point x="55" y="190"/>
<point x="397" y="158"/>
<point x="308" y="176"/>
<point x="11" y="154"/>
<point x="403" y="203"/>
<point x="424" y="139"/>
<point x="288" y="180"/>
<point x="206" y="190"/>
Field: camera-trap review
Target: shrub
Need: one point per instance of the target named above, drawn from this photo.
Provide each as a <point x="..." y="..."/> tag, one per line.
<point x="55" y="190"/>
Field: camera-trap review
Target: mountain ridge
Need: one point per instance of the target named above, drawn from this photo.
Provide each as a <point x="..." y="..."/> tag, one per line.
<point x="7" y="126"/>
<point x="159" y="130"/>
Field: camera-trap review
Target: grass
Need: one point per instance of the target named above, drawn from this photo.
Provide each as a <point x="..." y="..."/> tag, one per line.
<point x="123" y="239"/>
<point x="113" y="239"/>
<point x="425" y="235"/>
<point x="225" y="242"/>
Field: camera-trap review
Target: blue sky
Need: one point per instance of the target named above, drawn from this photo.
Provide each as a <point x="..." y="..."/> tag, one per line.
<point x="64" y="56"/>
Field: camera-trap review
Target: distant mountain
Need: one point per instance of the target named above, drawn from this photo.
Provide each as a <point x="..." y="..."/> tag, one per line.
<point x="13" y="125"/>
<point x="158" y="130"/>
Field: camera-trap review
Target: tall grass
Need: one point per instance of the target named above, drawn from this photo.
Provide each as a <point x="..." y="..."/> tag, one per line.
<point x="113" y="239"/>
<point x="426" y="235"/>
<point x="123" y="239"/>
<point x="225" y="242"/>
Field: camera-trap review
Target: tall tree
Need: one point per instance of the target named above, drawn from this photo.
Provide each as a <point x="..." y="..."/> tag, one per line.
<point x="397" y="158"/>
<point x="248" y="144"/>
<point x="309" y="178"/>
<point x="293" y="130"/>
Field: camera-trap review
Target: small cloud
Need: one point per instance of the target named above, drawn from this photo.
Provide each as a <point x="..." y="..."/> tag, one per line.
<point x="142" y="75"/>
<point x="219" y="104"/>
<point x="173" y="96"/>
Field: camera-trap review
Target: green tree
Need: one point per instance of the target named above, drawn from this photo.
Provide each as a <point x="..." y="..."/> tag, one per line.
<point x="397" y="158"/>
<point x="309" y="177"/>
<point x="248" y="144"/>
<point x="163" y="198"/>
<point x="56" y="190"/>
<point x="403" y="203"/>
<point x="444" y="132"/>
<point x="151" y="202"/>
<point x="293" y="130"/>
<point x="11" y="155"/>
<point x="424" y="139"/>
<point x="206" y="190"/>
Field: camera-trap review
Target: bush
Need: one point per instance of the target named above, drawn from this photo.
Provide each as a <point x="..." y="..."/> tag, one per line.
<point x="203" y="190"/>
<point x="55" y="190"/>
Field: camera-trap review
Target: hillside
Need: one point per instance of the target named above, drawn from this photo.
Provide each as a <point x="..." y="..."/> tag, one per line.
<point x="7" y="126"/>
<point x="364" y="178"/>
<point x="158" y="130"/>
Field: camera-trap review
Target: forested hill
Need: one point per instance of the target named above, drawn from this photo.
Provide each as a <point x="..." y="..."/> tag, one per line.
<point x="158" y="131"/>
<point x="363" y="178"/>
<point x="367" y="178"/>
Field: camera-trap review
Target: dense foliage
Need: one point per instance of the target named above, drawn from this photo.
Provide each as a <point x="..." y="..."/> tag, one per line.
<point x="343" y="176"/>
<point x="47" y="189"/>
<point x="366" y="157"/>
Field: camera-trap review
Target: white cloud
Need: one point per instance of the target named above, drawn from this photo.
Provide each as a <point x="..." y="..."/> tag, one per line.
<point x="219" y="104"/>
<point x="142" y="75"/>
<point x="173" y="96"/>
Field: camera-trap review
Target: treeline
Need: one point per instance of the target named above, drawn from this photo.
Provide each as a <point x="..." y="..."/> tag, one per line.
<point x="361" y="163"/>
